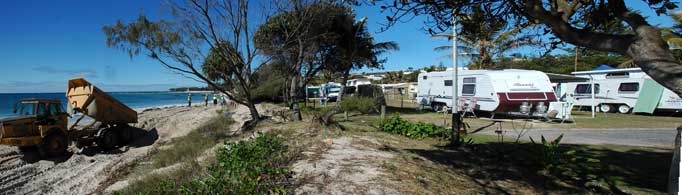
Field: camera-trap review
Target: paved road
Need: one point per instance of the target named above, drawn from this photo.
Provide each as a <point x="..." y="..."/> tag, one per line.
<point x="662" y="138"/>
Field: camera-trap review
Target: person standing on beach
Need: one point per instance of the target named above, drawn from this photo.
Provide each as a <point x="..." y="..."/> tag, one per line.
<point x="206" y="100"/>
<point x="189" y="99"/>
<point x="215" y="99"/>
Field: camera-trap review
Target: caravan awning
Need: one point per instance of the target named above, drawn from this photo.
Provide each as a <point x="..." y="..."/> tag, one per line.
<point x="564" y="78"/>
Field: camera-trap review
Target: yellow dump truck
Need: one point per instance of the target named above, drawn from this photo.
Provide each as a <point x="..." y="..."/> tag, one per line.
<point x="44" y="123"/>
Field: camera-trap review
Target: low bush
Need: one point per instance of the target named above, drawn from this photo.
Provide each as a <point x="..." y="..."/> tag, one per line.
<point x="189" y="147"/>
<point x="413" y="130"/>
<point x="257" y="166"/>
<point x="364" y="105"/>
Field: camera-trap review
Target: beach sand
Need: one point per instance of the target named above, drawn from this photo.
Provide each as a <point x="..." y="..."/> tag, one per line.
<point x="90" y="171"/>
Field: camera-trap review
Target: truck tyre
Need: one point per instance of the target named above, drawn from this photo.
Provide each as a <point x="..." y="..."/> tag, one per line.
<point x="606" y="108"/>
<point x="624" y="109"/>
<point x="108" y="140"/>
<point x="124" y="133"/>
<point x="54" y="145"/>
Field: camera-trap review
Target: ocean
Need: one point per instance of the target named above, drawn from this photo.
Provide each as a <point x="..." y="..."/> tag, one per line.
<point x="135" y="100"/>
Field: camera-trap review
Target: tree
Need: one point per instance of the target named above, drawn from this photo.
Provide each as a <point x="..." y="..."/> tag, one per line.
<point x="212" y="34"/>
<point x="394" y="77"/>
<point x="576" y="22"/>
<point x="485" y="36"/>
<point x="355" y="48"/>
<point x="298" y="38"/>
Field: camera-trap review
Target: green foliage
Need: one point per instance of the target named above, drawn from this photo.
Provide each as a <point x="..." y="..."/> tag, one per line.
<point x="189" y="147"/>
<point x="364" y="105"/>
<point x="412" y="130"/>
<point x="562" y="64"/>
<point x="257" y="166"/>
<point x="549" y="150"/>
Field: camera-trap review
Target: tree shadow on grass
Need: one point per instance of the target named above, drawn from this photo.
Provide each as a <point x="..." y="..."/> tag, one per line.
<point x="486" y="164"/>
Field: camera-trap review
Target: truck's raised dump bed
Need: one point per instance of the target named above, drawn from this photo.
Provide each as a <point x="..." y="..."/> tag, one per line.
<point x="91" y="101"/>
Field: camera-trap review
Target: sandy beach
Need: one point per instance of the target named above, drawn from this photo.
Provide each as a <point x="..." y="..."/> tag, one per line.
<point x="90" y="170"/>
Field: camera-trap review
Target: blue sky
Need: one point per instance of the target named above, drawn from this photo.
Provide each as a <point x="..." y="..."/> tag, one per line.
<point x="45" y="43"/>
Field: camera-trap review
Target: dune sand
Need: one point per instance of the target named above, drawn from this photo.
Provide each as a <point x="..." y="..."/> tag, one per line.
<point x="90" y="170"/>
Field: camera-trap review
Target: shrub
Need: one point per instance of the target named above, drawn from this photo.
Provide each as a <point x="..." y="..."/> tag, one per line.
<point x="364" y="105"/>
<point x="401" y="126"/>
<point x="257" y="166"/>
<point x="192" y="145"/>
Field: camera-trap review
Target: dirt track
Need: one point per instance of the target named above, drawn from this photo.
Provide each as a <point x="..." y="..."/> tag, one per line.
<point x="87" y="171"/>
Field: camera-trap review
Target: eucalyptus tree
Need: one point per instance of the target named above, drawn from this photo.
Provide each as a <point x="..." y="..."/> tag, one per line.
<point x="209" y="41"/>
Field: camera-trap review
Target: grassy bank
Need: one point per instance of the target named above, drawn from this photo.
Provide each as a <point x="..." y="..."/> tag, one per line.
<point x="242" y="165"/>
<point x="175" y="162"/>
<point x="426" y="165"/>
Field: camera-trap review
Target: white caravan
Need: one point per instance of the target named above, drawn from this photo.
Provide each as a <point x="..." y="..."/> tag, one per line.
<point x="329" y="92"/>
<point x="358" y="81"/>
<point x="500" y="91"/>
<point x="622" y="90"/>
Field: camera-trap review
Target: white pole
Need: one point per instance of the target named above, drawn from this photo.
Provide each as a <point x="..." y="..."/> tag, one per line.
<point x="454" y="65"/>
<point x="592" y="91"/>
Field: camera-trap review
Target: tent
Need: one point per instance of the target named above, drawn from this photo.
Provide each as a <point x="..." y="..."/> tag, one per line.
<point x="603" y="67"/>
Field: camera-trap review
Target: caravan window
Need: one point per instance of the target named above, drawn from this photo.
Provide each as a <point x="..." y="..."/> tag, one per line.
<point x="447" y="83"/>
<point x="628" y="87"/>
<point x="469" y="86"/>
<point x="586" y="89"/>
<point x="469" y="89"/>
<point x="424" y="77"/>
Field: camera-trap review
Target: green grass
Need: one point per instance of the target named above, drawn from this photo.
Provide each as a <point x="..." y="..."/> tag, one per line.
<point x="181" y="150"/>
<point x="189" y="147"/>
<point x="582" y="119"/>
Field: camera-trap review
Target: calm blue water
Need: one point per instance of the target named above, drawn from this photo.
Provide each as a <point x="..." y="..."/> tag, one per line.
<point x="135" y="100"/>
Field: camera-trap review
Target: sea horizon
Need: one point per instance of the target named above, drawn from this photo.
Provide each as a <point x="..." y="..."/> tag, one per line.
<point x="136" y="100"/>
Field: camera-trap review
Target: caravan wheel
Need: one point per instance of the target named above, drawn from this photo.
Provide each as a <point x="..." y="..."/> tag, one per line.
<point x="437" y="107"/>
<point x="624" y="109"/>
<point x="606" y="108"/>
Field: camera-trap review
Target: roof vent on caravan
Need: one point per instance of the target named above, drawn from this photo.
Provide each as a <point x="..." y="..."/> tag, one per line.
<point x="617" y="75"/>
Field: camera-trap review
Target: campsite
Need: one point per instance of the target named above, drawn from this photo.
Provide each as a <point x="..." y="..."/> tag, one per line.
<point x="341" y="97"/>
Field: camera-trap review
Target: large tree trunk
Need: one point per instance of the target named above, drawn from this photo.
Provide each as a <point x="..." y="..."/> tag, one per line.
<point x="651" y="53"/>
<point x="342" y="93"/>
<point x="293" y="96"/>
<point x="253" y="111"/>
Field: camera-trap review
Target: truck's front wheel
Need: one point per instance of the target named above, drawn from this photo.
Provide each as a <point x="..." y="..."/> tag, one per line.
<point x="54" y="145"/>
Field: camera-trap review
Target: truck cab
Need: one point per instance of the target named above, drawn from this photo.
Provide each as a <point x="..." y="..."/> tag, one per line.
<point x="37" y="122"/>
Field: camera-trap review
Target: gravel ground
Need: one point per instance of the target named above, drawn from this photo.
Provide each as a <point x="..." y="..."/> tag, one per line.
<point x="661" y="138"/>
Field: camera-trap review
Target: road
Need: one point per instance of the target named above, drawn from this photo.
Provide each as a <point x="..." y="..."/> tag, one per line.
<point x="661" y="138"/>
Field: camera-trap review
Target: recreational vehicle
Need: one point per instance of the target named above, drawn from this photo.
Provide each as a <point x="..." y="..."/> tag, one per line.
<point x="498" y="91"/>
<point x="329" y="91"/>
<point x="621" y="90"/>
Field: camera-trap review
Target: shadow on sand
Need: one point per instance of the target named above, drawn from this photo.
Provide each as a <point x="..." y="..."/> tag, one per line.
<point x="140" y="138"/>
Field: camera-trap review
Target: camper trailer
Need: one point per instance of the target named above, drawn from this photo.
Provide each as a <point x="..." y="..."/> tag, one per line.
<point x="500" y="91"/>
<point x="621" y="90"/>
<point x="329" y="92"/>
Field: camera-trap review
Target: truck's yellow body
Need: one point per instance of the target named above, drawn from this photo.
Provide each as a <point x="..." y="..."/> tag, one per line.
<point x="93" y="102"/>
<point x="43" y="123"/>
